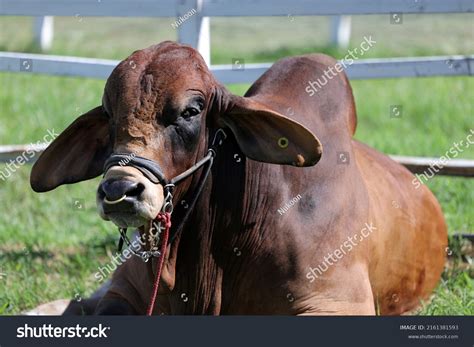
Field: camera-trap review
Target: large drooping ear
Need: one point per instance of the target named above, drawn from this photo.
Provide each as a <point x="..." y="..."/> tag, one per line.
<point x="77" y="154"/>
<point x="267" y="136"/>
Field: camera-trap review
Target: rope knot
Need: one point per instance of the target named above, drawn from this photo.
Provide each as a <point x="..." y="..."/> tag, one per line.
<point x="165" y="219"/>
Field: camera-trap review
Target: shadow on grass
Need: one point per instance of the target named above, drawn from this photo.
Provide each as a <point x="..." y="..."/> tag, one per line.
<point x="30" y="47"/>
<point x="89" y="250"/>
<point x="15" y="255"/>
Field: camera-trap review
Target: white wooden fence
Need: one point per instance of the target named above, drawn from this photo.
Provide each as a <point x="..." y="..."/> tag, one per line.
<point x="195" y="31"/>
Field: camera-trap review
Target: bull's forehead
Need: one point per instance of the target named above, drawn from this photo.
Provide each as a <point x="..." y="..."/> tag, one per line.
<point x="151" y="78"/>
<point x="150" y="85"/>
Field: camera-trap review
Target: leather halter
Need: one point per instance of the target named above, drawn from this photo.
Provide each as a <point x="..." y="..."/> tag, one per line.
<point x="152" y="170"/>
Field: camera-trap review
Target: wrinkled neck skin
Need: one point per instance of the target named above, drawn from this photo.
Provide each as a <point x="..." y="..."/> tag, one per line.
<point x="205" y="247"/>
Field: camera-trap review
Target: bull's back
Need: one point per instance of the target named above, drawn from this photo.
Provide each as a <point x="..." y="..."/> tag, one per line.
<point x="407" y="253"/>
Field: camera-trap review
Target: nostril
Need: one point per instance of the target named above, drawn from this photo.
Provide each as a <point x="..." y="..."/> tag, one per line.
<point x="101" y="192"/>
<point x="115" y="189"/>
<point x="136" y="191"/>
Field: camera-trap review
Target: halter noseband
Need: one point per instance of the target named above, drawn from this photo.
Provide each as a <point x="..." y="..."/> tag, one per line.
<point x="152" y="171"/>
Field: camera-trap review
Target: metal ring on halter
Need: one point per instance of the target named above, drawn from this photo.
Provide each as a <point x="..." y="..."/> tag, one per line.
<point x="212" y="152"/>
<point x="146" y="255"/>
<point x="143" y="255"/>
<point x="168" y="200"/>
<point x="218" y="132"/>
<point x="168" y="207"/>
<point x="168" y="196"/>
<point x="170" y="187"/>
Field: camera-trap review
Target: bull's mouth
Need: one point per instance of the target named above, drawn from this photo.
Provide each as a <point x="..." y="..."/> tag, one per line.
<point x="126" y="220"/>
<point x="126" y="213"/>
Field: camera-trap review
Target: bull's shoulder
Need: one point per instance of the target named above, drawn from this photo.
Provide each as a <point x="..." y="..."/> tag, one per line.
<point x="313" y="87"/>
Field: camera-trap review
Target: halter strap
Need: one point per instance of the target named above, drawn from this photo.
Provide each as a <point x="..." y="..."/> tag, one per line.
<point x="154" y="173"/>
<point x="149" y="168"/>
<point x="152" y="170"/>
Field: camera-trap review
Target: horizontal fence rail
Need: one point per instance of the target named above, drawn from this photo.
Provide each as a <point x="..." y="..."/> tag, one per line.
<point x="13" y="152"/>
<point x="217" y="8"/>
<point x="419" y="165"/>
<point x="90" y="8"/>
<point x="248" y="73"/>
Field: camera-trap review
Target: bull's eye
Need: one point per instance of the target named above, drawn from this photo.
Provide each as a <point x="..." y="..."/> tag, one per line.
<point x="189" y="112"/>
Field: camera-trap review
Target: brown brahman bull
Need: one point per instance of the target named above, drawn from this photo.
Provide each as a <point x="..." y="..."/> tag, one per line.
<point x="295" y="218"/>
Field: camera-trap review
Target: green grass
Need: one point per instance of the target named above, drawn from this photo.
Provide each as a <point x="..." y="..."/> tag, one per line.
<point x="49" y="249"/>
<point x="453" y="296"/>
<point x="455" y="293"/>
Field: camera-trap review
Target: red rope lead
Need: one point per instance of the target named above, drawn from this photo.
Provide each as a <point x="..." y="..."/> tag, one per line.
<point x="165" y="219"/>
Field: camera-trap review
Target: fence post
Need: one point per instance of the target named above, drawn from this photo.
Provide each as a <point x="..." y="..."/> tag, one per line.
<point x="43" y="28"/>
<point x="340" y="31"/>
<point x="193" y="28"/>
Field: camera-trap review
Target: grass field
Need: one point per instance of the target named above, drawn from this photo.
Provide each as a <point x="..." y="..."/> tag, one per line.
<point x="51" y="244"/>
